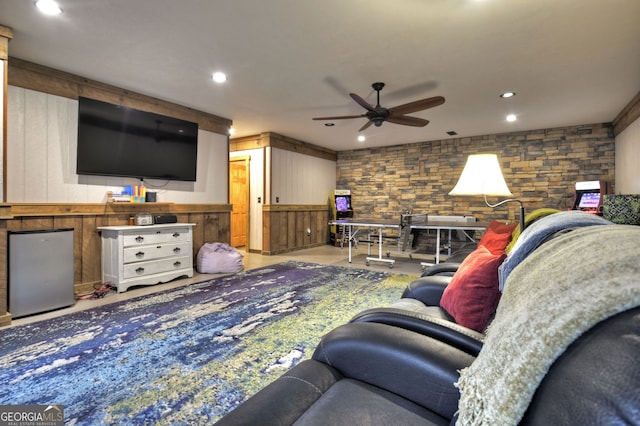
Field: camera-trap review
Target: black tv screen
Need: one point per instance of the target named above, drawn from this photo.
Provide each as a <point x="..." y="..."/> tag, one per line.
<point x="120" y="141"/>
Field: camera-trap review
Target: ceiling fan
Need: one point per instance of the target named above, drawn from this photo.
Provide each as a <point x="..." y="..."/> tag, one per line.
<point x="378" y="114"/>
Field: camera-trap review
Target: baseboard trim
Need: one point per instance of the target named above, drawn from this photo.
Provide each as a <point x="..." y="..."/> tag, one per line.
<point x="5" y="319"/>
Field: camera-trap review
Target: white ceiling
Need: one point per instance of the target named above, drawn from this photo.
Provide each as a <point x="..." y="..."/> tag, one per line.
<point x="570" y="61"/>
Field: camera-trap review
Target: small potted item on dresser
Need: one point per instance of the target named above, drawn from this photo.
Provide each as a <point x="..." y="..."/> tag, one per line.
<point x="144" y="219"/>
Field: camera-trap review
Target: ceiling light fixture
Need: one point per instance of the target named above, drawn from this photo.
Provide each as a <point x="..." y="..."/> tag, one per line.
<point x="361" y="138"/>
<point x="219" y="77"/>
<point x="508" y="95"/>
<point x="232" y="131"/>
<point x="511" y="118"/>
<point x="48" y="7"/>
<point x="329" y="124"/>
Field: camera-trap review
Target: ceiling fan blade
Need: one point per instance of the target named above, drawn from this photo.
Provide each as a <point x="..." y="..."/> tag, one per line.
<point x="341" y="117"/>
<point x="417" y="106"/>
<point x="407" y="121"/>
<point x="364" y="104"/>
<point x="366" y="126"/>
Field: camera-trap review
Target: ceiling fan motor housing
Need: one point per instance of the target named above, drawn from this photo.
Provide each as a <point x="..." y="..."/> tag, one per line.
<point x="378" y="116"/>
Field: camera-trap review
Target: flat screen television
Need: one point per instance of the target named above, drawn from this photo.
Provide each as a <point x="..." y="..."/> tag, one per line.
<point x="120" y="141"/>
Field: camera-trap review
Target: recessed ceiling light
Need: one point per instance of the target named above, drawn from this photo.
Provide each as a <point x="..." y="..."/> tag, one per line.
<point x="232" y="131"/>
<point x="219" y="77"/>
<point x="512" y="117"/>
<point x="452" y="133"/>
<point x="48" y="7"/>
<point x="361" y="138"/>
<point x="508" y="94"/>
<point x="329" y="124"/>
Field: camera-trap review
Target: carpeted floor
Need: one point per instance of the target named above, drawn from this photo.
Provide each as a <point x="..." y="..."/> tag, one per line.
<point x="188" y="355"/>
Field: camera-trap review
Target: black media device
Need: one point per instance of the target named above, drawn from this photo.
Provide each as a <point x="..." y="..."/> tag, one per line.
<point x="165" y="218"/>
<point x="119" y="141"/>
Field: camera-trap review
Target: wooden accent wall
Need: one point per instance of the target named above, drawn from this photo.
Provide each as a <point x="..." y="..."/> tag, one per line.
<point x="48" y="80"/>
<point x="212" y="225"/>
<point x="6" y="34"/>
<point x="276" y="140"/>
<point x="285" y="227"/>
<point x="629" y="114"/>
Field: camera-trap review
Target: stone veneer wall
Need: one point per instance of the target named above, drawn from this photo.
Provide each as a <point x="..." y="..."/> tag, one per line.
<point x="540" y="167"/>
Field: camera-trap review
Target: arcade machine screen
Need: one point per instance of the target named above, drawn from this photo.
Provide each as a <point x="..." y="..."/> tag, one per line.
<point x="589" y="201"/>
<point x="342" y="204"/>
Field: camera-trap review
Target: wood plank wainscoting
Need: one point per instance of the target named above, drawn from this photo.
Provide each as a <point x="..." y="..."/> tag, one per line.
<point x="294" y="227"/>
<point x="212" y="225"/>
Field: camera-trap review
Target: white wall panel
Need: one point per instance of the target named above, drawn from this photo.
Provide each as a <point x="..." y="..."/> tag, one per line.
<point x="35" y="147"/>
<point x="41" y="165"/>
<point x="628" y="159"/>
<point x="60" y="165"/>
<point x="16" y="172"/>
<point x="301" y="179"/>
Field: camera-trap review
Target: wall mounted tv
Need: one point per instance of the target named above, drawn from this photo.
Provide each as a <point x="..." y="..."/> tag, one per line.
<point x="119" y="141"/>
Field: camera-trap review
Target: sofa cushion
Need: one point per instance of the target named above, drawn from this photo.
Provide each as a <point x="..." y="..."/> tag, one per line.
<point x="497" y="236"/>
<point x="472" y="296"/>
<point x="355" y="402"/>
<point x="413" y="305"/>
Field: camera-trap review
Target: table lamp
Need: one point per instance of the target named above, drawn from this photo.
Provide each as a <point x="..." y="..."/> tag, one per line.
<point x="482" y="176"/>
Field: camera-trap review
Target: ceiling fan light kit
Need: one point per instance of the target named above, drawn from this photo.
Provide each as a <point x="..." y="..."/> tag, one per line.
<point x="377" y="115"/>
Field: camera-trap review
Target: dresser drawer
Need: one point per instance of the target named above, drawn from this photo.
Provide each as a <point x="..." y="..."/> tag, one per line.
<point x="140" y="269"/>
<point x="158" y="251"/>
<point x="156" y="236"/>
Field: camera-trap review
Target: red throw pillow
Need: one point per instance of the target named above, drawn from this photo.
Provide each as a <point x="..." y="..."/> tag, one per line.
<point x="497" y="236"/>
<point x="472" y="296"/>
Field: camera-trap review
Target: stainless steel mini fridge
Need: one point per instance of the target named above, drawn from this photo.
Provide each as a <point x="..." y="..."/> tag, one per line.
<point x="40" y="270"/>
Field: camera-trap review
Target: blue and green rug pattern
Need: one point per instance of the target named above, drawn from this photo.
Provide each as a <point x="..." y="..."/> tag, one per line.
<point x="188" y="355"/>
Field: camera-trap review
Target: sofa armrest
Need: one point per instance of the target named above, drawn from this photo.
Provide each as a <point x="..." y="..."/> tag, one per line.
<point x="418" y="368"/>
<point x="284" y="400"/>
<point x="460" y="337"/>
<point x="445" y="268"/>
<point x="428" y="290"/>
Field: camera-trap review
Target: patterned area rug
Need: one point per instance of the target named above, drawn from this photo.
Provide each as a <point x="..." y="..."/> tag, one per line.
<point x="188" y="355"/>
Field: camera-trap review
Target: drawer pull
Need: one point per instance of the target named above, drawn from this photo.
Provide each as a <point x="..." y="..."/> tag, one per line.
<point x="139" y="270"/>
<point x="139" y="239"/>
<point x="176" y="250"/>
<point x="140" y="254"/>
<point x="177" y="264"/>
<point x="176" y="234"/>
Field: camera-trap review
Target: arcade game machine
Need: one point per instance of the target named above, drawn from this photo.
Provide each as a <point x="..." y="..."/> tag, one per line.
<point x="589" y="196"/>
<point x="340" y="207"/>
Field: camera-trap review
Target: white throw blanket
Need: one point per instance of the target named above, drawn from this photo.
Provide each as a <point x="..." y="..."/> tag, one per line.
<point x="560" y="291"/>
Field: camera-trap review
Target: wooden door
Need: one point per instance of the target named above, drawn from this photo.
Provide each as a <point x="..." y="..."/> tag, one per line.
<point x="239" y="199"/>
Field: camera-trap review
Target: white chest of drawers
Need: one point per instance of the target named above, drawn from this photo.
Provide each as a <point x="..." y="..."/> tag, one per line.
<point x="146" y="255"/>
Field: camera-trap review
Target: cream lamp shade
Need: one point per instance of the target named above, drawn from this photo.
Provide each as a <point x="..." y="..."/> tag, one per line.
<point x="481" y="176"/>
